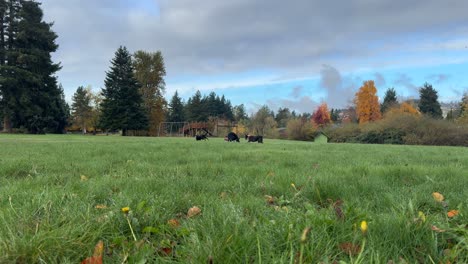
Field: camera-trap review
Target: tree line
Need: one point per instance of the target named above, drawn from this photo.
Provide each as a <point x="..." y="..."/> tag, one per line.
<point x="31" y="100"/>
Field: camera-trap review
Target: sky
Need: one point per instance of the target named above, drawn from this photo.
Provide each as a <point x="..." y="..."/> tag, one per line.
<point x="294" y="54"/>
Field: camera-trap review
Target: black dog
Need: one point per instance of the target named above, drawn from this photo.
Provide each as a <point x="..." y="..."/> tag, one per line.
<point x="231" y="137"/>
<point x="250" y="138"/>
<point x="201" y="137"/>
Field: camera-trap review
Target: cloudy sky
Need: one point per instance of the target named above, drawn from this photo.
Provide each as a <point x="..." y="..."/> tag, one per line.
<point x="292" y="54"/>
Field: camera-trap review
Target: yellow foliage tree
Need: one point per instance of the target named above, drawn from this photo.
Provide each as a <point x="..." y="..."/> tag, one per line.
<point x="404" y="108"/>
<point x="367" y="103"/>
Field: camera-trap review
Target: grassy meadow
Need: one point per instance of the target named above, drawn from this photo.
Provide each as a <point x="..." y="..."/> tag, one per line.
<point x="61" y="195"/>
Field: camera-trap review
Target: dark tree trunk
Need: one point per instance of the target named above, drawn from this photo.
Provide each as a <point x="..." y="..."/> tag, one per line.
<point x="6" y="123"/>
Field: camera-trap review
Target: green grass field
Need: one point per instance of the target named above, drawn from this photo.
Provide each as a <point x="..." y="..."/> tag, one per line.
<point x="60" y="195"/>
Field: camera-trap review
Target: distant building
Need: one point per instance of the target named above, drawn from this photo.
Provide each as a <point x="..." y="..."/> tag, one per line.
<point x="320" y="138"/>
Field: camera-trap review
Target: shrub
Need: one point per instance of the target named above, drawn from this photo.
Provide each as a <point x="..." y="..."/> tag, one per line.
<point x="403" y="128"/>
<point x="298" y="129"/>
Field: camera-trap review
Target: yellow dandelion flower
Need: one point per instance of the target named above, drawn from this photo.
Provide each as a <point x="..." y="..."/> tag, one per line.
<point x="125" y="210"/>
<point x="364" y="227"/>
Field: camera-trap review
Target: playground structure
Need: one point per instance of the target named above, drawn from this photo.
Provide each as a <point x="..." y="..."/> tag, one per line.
<point x="212" y="128"/>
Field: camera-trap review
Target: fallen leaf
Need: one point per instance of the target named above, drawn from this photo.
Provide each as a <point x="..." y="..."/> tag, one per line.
<point x="99" y="249"/>
<point x="422" y="216"/>
<point x="270" y="199"/>
<point x="223" y="195"/>
<point x="436" y="229"/>
<point x="338" y="211"/>
<point x="92" y="260"/>
<point x="100" y="206"/>
<point x="438" y="196"/>
<point x="305" y="234"/>
<point x="173" y="222"/>
<point x="83" y="178"/>
<point x="167" y="250"/>
<point x="97" y="255"/>
<point x="350" y="248"/>
<point x="194" y="211"/>
<point x="452" y="213"/>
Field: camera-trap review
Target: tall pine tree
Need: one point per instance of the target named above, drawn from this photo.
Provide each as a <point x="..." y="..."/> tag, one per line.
<point x="122" y="106"/>
<point x="176" y="109"/>
<point x="390" y="100"/>
<point x="30" y="95"/>
<point x="428" y="101"/>
<point x="81" y="108"/>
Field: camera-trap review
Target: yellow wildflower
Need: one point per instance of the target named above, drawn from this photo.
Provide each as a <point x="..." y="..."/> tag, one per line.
<point x="364" y="227"/>
<point x="125" y="210"/>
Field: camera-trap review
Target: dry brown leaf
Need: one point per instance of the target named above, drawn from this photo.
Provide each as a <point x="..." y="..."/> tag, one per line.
<point x="173" y="222"/>
<point x="350" y="248"/>
<point x="194" y="211"/>
<point x="438" y="196"/>
<point x="270" y="199"/>
<point x="438" y="230"/>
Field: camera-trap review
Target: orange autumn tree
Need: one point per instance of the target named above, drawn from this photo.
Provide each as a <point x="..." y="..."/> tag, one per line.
<point x="321" y="117"/>
<point x="367" y="103"/>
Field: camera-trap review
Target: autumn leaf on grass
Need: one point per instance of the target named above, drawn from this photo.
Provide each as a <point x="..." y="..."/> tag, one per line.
<point x="194" y="211"/>
<point x="270" y="199"/>
<point x="421" y="217"/>
<point x="173" y="222"/>
<point x="83" y="178"/>
<point x="452" y="213"/>
<point x="438" y="230"/>
<point x="350" y="248"/>
<point x="97" y="256"/>
<point x="438" y="196"/>
<point x="100" y="206"/>
<point x="338" y="211"/>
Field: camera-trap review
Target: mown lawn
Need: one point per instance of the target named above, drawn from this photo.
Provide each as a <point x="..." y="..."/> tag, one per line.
<point x="61" y="195"/>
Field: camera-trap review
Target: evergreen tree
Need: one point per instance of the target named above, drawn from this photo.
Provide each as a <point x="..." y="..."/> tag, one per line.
<point x="226" y="109"/>
<point x="81" y="108"/>
<point x="390" y="100"/>
<point x="150" y="72"/>
<point x="176" y="109"/>
<point x="122" y="105"/>
<point x="195" y="110"/>
<point x="240" y="112"/>
<point x="334" y="115"/>
<point x="283" y="116"/>
<point x="30" y="95"/>
<point x="9" y="82"/>
<point x="450" y="116"/>
<point x="428" y="102"/>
